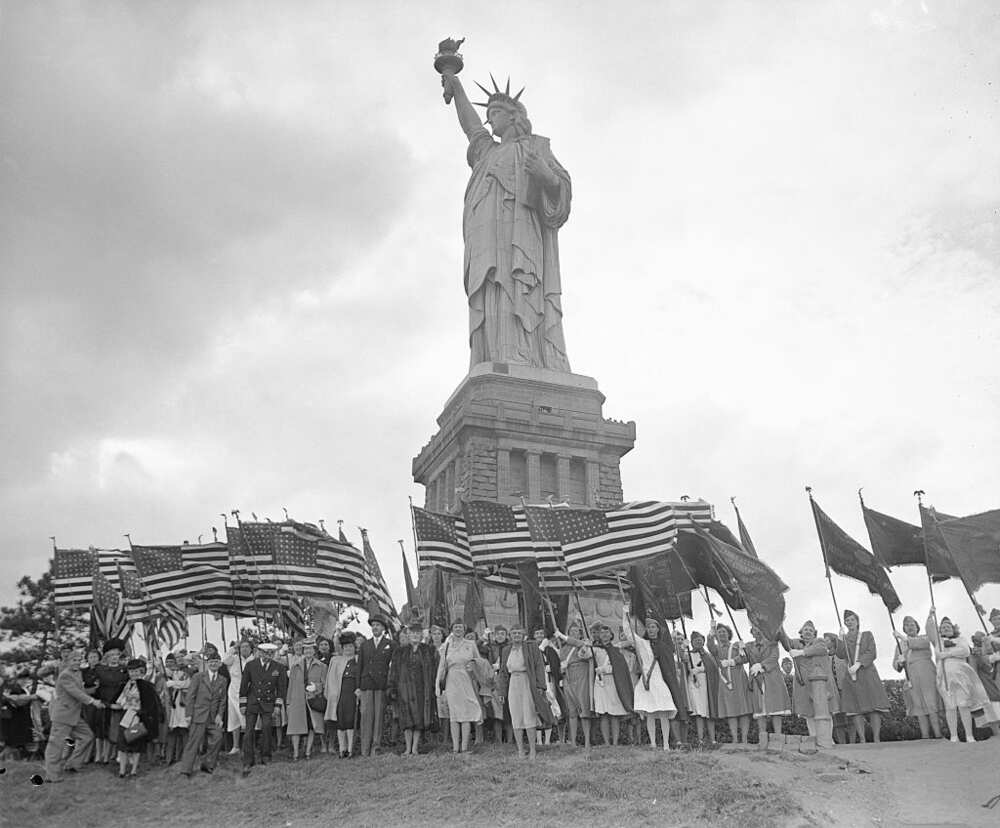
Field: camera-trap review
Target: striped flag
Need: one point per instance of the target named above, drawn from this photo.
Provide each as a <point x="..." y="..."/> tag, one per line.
<point x="136" y="606"/>
<point x="376" y="593"/>
<point x="74" y="571"/>
<point x="171" y="624"/>
<point x="311" y="563"/>
<point x="442" y="541"/>
<point x="73" y="576"/>
<point x="179" y="572"/>
<point x="498" y="534"/>
<point x="595" y="541"/>
<point x="108" y="611"/>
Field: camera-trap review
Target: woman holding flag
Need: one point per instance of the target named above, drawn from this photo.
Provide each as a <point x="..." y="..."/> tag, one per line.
<point x="734" y="689"/>
<point x="959" y="686"/>
<point x="914" y="657"/>
<point x="770" y="696"/>
<point x="861" y="693"/>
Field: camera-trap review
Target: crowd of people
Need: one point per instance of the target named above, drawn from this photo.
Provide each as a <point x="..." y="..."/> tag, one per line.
<point x="429" y="689"/>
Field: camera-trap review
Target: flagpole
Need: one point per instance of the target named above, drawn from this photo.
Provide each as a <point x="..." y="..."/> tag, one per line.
<point x="261" y="627"/>
<point x="826" y="563"/>
<point x="55" y="606"/>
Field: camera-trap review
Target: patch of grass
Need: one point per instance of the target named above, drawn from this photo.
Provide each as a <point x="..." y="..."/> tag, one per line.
<point x="610" y="786"/>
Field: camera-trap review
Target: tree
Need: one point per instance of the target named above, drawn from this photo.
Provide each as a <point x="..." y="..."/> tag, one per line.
<point x="34" y="628"/>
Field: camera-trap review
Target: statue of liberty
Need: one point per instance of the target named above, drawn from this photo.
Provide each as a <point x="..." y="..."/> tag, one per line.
<point x="517" y="198"/>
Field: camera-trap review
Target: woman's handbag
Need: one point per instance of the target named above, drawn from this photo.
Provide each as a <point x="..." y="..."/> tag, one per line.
<point x="134" y="731"/>
<point x="317" y="703"/>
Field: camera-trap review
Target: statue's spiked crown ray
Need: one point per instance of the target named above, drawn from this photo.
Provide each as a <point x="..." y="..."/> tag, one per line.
<point x="496" y="96"/>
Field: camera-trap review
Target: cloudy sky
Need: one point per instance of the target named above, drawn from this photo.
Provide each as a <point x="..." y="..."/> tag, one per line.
<point x="230" y="260"/>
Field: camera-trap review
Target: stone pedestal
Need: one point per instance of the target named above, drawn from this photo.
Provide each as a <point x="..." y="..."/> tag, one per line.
<point x="510" y="432"/>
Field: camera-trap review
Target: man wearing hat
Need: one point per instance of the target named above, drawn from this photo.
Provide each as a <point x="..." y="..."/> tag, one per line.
<point x="373" y="678"/>
<point x="68" y="726"/>
<point x="262" y="687"/>
<point x="206" y="700"/>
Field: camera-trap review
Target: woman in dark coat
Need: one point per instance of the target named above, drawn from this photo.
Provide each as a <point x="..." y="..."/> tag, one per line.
<point x="521" y="683"/>
<point x="703" y="687"/>
<point x="137" y="704"/>
<point x="15" y="714"/>
<point x="411" y="687"/>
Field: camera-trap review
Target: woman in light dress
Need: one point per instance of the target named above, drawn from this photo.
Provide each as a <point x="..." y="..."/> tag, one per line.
<point x="703" y="687"/>
<point x="613" y="688"/>
<point x="521" y="684"/>
<point x="577" y="663"/>
<point x="454" y="681"/>
<point x="914" y="657"/>
<point x="234" y="661"/>
<point x="652" y="699"/>
<point x="958" y="684"/>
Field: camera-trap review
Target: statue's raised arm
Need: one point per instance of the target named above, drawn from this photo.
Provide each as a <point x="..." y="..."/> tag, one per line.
<point x="467" y="117"/>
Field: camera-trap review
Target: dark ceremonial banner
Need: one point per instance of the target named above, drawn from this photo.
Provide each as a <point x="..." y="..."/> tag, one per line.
<point x="757" y="584"/>
<point x="940" y="565"/>
<point x="974" y="544"/>
<point x="655" y="591"/>
<point x="847" y="557"/>
<point x="894" y="542"/>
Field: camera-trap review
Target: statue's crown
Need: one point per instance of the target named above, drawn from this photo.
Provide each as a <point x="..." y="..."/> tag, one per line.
<point x="496" y="96"/>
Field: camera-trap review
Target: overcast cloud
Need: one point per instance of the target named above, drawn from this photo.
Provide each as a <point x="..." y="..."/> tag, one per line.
<point x="230" y="260"/>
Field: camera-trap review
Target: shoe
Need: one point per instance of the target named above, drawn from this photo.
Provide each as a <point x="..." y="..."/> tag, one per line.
<point x="207" y="769"/>
<point x="246" y="770"/>
<point x="233" y="752"/>
<point x="185" y="773"/>
<point x="121" y="775"/>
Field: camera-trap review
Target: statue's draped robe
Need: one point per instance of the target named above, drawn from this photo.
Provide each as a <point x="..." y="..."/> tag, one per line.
<point x="510" y="227"/>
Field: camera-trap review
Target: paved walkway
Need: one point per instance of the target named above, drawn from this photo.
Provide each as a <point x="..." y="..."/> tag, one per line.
<point x="932" y="782"/>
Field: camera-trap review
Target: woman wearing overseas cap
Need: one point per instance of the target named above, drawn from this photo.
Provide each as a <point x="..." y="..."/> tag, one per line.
<point x="734" y="688"/>
<point x="862" y="693"/>
<point x="810" y="684"/>
<point x="652" y="698"/>
<point x="767" y="686"/>
<point x="959" y="686"/>
<point x="577" y="663"/>
<point x="917" y="661"/>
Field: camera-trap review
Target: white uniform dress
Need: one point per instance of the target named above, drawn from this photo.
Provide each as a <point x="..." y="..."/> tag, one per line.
<point x="657" y="699"/>
<point x="606" y="699"/>
<point x="697" y="687"/>
<point x="235" y="720"/>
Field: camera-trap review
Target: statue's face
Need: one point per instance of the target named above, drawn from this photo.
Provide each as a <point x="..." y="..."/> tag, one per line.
<point x="500" y="119"/>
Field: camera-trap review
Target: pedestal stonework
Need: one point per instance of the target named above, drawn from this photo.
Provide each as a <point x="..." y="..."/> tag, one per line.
<point x="510" y="432"/>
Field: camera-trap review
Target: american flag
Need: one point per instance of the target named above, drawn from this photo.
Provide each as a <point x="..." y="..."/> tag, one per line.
<point x="108" y="610"/>
<point x="312" y="563"/>
<point x="633" y="531"/>
<point x="73" y="575"/>
<point x="442" y="541"/>
<point x="179" y="572"/>
<point x="136" y="606"/>
<point x="376" y="593"/>
<point x="497" y="533"/>
<point x="171" y="624"/>
<point x="544" y="526"/>
<point x="74" y="570"/>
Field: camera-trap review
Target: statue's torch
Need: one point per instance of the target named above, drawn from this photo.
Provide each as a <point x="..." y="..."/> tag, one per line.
<point x="448" y="61"/>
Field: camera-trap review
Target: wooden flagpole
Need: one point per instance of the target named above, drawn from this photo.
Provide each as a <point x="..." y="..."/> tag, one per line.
<point x="826" y="563"/>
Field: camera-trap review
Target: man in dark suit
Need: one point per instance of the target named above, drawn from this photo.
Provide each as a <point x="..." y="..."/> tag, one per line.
<point x="262" y="688"/>
<point x="373" y="677"/>
<point x="206" y="702"/>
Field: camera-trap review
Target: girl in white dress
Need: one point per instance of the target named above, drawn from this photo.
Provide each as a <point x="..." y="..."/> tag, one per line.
<point x="234" y="661"/>
<point x="652" y="699"/>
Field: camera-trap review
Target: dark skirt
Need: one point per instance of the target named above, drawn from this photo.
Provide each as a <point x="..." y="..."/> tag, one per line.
<point x="347" y="704"/>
